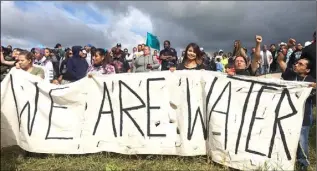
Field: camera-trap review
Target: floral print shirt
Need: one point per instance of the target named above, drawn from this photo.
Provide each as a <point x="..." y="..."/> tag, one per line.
<point x="101" y="70"/>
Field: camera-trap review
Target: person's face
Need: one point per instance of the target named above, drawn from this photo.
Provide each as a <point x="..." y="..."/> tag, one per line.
<point x="166" y="45"/>
<point x="142" y="47"/>
<point x="264" y="48"/>
<point x="284" y="50"/>
<point x="126" y="51"/>
<point x="9" y="47"/>
<point x="191" y="55"/>
<point x="300" y="67"/>
<point x="273" y="48"/>
<point x="37" y="55"/>
<point x="134" y="49"/>
<point x="299" y="47"/>
<point x="139" y="48"/>
<point x="118" y="48"/>
<point x="82" y="54"/>
<point x="23" y="62"/>
<point x="146" y="51"/>
<point x="97" y="59"/>
<point x="15" y="54"/>
<point x="253" y="50"/>
<point x="155" y="53"/>
<point x="47" y="53"/>
<point x="70" y="53"/>
<point x="239" y="63"/>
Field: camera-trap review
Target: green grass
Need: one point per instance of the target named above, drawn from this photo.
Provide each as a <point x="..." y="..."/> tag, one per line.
<point x="12" y="160"/>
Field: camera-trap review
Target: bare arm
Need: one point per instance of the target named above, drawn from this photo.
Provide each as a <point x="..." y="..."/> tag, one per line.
<point x="242" y="52"/>
<point x="155" y="65"/>
<point x="257" y="55"/>
<point x="3" y="61"/>
<point x="280" y="61"/>
<point x="162" y="57"/>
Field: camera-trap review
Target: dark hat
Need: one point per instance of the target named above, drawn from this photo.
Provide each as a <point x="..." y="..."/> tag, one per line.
<point x="118" y="44"/>
<point x="58" y="44"/>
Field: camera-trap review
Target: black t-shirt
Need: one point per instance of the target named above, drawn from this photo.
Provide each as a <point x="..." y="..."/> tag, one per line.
<point x="290" y="75"/>
<point x="310" y="53"/>
<point x="167" y="64"/>
<point x="181" y="66"/>
<point x="246" y="72"/>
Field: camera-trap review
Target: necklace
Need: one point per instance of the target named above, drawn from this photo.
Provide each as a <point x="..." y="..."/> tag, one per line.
<point x="302" y="79"/>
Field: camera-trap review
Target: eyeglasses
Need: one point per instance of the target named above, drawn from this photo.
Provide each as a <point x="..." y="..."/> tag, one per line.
<point x="299" y="63"/>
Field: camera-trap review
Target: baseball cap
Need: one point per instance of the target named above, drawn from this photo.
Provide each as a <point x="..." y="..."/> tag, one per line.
<point x="307" y="43"/>
<point x="57" y="45"/>
<point x="118" y="44"/>
<point x="220" y="50"/>
<point x="89" y="45"/>
<point x="283" y="44"/>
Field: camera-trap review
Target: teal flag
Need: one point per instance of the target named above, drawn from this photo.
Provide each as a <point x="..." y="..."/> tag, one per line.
<point x="152" y="41"/>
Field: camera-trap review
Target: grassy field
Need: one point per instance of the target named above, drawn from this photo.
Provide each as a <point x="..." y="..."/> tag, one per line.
<point x="11" y="160"/>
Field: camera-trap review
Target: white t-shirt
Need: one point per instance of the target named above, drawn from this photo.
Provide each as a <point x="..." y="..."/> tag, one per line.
<point x="88" y="59"/>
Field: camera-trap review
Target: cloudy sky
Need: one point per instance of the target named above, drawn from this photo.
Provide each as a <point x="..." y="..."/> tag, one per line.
<point x="213" y="25"/>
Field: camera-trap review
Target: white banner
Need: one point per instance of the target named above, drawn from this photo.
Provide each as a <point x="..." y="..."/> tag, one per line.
<point x="240" y="122"/>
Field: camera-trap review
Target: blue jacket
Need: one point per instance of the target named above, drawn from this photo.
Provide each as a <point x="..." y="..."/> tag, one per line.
<point x="76" y="66"/>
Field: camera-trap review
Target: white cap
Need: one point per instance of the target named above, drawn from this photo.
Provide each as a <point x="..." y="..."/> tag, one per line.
<point x="201" y="49"/>
<point x="220" y="50"/>
<point x="282" y="43"/>
<point x="307" y="43"/>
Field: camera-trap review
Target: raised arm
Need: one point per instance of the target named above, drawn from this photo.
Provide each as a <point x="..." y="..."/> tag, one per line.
<point x="257" y="55"/>
<point x="280" y="61"/>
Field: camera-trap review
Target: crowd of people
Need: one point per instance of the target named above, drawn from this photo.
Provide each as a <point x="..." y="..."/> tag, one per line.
<point x="63" y="66"/>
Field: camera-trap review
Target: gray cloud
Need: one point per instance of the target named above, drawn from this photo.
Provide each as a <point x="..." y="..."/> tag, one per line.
<point x="48" y="31"/>
<point x="213" y="25"/>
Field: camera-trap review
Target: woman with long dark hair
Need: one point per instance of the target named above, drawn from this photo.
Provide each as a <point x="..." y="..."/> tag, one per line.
<point x="192" y="60"/>
<point x="238" y="49"/>
<point x="101" y="63"/>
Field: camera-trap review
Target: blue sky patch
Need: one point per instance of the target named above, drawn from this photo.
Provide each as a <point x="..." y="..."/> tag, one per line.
<point x="25" y="5"/>
<point x="84" y="13"/>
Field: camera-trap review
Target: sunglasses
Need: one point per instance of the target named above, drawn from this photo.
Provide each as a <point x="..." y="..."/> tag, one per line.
<point x="299" y="63"/>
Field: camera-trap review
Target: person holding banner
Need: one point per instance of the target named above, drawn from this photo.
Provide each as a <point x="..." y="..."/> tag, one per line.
<point x="101" y="64"/>
<point x="300" y="72"/>
<point x="240" y="62"/>
<point x="193" y="59"/>
<point x="25" y="62"/>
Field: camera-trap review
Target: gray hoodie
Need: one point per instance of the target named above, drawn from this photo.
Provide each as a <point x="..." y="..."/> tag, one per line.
<point x="141" y="63"/>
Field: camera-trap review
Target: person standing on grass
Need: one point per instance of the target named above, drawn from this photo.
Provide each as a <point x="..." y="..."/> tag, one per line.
<point x="300" y="72"/>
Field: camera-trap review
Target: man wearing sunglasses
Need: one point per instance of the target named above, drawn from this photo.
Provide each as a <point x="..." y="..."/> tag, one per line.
<point x="300" y="72"/>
